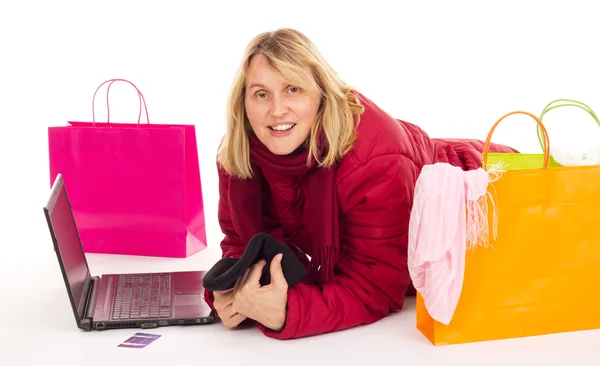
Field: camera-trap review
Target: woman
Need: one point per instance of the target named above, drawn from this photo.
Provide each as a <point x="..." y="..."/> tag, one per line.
<point x="320" y="167"/>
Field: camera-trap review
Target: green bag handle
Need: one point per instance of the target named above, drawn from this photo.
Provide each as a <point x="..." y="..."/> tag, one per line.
<point x="566" y="103"/>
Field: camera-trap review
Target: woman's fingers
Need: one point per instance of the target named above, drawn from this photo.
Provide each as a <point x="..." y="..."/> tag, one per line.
<point x="234" y="321"/>
<point x="229" y="311"/>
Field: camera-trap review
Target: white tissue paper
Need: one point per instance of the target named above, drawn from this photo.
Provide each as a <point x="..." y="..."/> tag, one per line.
<point x="580" y="158"/>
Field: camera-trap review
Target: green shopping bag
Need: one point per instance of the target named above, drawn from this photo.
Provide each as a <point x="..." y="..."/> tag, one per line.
<point x="512" y="161"/>
<point x="565" y="103"/>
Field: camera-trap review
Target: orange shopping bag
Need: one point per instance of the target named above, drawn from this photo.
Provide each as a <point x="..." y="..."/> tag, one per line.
<point x="541" y="272"/>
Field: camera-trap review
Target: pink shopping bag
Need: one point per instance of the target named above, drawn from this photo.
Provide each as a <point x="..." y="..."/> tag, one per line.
<point x="134" y="187"/>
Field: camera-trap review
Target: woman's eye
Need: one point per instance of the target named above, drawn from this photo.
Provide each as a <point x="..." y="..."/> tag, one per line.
<point x="294" y="90"/>
<point x="261" y="95"/>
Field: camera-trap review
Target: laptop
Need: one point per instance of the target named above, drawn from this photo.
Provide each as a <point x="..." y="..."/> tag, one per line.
<point x="126" y="300"/>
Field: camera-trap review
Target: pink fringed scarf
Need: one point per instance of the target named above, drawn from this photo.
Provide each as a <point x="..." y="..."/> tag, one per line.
<point x="319" y="214"/>
<point x="449" y="216"/>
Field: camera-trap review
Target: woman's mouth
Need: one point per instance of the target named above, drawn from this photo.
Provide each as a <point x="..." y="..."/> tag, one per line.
<point x="281" y="129"/>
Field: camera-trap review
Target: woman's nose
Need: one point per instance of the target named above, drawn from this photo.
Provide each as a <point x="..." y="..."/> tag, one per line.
<point x="279" y="107"/>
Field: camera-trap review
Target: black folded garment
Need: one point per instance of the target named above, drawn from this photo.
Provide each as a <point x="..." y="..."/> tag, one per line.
<point x="226" y="271"/>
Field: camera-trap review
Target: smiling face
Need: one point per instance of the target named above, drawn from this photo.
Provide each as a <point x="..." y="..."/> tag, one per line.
<point x="280" y="114"/>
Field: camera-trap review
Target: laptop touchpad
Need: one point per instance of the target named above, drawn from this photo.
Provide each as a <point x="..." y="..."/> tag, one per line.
<point x="188" y="299"/>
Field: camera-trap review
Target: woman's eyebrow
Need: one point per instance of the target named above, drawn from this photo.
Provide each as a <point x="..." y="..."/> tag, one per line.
<point x="257" y="85"/>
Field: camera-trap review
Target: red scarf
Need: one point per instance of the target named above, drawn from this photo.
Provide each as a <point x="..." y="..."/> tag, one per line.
<point x="320" y="213"/>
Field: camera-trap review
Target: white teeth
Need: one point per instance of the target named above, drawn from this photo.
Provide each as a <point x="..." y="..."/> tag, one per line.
<point x="282" y="127"/>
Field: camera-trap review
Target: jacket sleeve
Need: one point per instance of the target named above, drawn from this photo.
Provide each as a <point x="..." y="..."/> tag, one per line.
<point x="231" y="245"/>
<point x="466" y="153"/>
<point x="371" y="276"/>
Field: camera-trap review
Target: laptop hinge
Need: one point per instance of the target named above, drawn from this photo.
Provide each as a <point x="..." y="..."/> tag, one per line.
<point x="90" y="304"/>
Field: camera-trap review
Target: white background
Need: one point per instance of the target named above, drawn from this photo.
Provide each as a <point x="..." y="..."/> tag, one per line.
<point x="451" y="67"/>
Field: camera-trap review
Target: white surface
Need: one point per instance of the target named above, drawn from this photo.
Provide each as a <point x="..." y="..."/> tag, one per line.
<point x="453" y="68"/>
<point x="40" y="320"/>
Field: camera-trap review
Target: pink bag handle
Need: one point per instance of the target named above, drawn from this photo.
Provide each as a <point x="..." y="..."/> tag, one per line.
<point x="140" y="96"/>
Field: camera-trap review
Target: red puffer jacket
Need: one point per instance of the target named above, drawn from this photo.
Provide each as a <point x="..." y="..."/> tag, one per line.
<point x="375" y="183"/>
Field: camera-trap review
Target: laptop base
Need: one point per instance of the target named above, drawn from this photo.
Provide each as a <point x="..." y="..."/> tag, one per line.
<point x="150" y="300"/>
<point x="149" y="324"/>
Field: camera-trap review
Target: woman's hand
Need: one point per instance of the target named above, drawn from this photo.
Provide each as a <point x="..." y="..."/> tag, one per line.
<point x="267" y="304"/>
<point x="223" y="305"/>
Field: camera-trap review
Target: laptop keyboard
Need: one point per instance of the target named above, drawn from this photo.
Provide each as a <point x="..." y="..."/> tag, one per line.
<point x="143" y="296"/>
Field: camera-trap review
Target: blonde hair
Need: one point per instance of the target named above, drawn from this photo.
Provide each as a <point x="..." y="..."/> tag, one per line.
<point x="289" y="52"/>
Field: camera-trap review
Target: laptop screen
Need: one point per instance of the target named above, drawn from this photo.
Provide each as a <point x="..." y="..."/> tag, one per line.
<point x="69" y="247"/>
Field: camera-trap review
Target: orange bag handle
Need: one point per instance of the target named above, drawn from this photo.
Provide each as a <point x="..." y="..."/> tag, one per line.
<point x="546" y="141"/>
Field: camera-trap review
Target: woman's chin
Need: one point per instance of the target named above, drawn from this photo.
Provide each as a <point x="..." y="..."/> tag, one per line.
<point x="283" y="150"/>
<point x="283" y="146"/>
